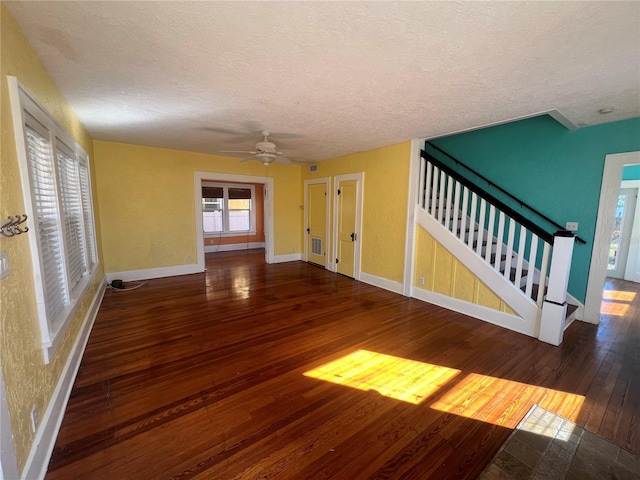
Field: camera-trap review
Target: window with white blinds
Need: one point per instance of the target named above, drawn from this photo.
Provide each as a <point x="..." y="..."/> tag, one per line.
<point x="87" y="212"/>
<point x="72" y="218"/>
<point x="57" y="190"/>
<point x="228" y="209"/>
<point x="45" y="203"/>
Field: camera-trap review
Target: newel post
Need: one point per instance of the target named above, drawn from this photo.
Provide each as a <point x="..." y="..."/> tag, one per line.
<point x="554" y="308"/>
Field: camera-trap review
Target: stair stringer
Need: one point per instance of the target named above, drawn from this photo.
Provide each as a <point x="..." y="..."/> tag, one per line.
<point x="528" y="313"/>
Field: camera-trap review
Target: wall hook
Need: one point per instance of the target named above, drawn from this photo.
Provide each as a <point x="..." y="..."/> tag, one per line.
<point x="11" y="227"/>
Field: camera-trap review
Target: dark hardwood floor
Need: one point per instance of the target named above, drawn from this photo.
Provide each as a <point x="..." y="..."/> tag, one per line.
<point x="290" y="371"/>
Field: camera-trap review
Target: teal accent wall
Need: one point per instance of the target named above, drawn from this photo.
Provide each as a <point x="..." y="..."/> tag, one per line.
<point x="631" y="172"/>
<point x="555" y="170"/>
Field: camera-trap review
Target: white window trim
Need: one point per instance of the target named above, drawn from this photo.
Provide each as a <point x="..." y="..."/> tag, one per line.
<point x="52" y="330"/>
<point x="239" y="233"/>
<point x="225" y="211"/>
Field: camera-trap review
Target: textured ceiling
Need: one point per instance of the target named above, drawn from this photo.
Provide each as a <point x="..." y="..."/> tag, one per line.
<point x="331" y="78"/>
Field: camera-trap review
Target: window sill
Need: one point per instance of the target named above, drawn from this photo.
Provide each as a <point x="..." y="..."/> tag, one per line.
<point x="61" y="323"/>
<point x="230" y="234"/>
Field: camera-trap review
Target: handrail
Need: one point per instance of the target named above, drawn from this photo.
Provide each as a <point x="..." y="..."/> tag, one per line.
<point x="517" y="216"/>
<point x="492" y="184"/>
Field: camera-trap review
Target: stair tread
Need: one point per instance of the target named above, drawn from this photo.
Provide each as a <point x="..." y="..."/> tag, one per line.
<point x="484" y="243"/>
<point x="512" y="275"/>
<point x="466" y="230"/>
<point x="503" y="257"/>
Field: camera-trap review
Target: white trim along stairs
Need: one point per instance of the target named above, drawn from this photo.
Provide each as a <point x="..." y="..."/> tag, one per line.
<point x="501" y="252"/>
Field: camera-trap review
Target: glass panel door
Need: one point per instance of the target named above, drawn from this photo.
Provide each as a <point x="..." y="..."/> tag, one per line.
<point x="621" y="233"/>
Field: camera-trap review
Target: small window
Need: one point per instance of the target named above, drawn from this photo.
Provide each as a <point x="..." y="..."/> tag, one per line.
<point x="228" y="208"/>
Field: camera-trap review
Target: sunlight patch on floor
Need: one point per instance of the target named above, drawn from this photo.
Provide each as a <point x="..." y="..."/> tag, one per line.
<point x="614" y="308"/>
<point x="619" y="295"/>
<point x="504" y="402"/>
<point x="394" y="377"/>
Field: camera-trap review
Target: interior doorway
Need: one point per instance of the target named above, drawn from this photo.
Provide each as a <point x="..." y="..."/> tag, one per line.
<point x="266" y="182"/>
<point x="611" y="181"/>
<point x="316" y="221"/>
<point x="623" y="223"/>
<point x="347" y="224"/>
<point x="631" y="179"/>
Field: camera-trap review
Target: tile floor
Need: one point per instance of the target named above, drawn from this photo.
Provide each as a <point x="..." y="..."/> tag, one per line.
<point x="547" y="446"/>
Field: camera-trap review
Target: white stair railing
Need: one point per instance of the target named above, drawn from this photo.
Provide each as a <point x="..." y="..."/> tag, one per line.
<point x="506" y="245"/>
<point x="495" y="233"/>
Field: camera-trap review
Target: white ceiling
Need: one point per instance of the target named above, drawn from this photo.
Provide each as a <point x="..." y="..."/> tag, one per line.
<point x="331" y="77"/>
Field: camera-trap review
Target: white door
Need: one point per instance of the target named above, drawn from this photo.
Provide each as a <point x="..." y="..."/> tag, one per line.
<point x="621" y="234"/>
<point x="347" y="234"/>
<point x="316" y="213"/>
<point x="347" y="223"/>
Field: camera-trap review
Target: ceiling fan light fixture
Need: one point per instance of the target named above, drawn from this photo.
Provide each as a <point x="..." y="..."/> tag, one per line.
<point x="266" y="158"/>
<point x="265" y="151"/>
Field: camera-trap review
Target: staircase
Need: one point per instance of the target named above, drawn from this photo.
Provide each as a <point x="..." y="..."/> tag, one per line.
<point x="518" y="259"/>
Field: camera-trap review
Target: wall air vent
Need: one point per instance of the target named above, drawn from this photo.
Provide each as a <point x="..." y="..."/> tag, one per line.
<point x="313" y="168"/>
<point x="316" y="245"/>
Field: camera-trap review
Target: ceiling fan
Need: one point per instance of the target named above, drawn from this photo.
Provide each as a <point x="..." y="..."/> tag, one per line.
<point x="265" y="151"/>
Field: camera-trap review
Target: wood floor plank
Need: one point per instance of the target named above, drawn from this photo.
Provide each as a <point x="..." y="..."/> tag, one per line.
<point x="289" y="371"/>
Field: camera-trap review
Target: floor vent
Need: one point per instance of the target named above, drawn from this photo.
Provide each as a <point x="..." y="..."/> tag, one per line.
<point x="316" y="245"/>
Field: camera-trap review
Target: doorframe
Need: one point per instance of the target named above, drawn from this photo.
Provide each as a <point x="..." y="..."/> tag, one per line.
<point x="626" y="228"/>
<point x="359" y="178"/>
<point x="315" y="181"/>
<point x="200" y="176"/>
<point x="415" y="162"/>
<point x="611" y="178"/>
<point x="632" y="269"/>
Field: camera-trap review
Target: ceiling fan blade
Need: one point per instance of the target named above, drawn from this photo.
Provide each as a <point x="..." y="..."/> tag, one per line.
<point x="225" y="131"/>
<point x="237" y="151"/>
<point x="283" y="136"/>
<point x="246" y="159"/>
<point x="251" y="126"/>
<point x="283" y="160"/>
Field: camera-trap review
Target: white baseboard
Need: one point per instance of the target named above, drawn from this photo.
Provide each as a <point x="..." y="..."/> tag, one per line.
<point x="147" y="273"/>
<point x="391" y="285"/>
<point x="291" y="257"/>
<point x="232" y="247"/>
<point x="42" y="447"/>
<point x="505" y="320"/>
<point x="508" y="293"/>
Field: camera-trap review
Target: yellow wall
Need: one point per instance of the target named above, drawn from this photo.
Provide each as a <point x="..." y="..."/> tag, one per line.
<point x="384" y="211"/>
<point x="444" y="274"/>
<point x="147" y="199"/>
<point x="27" y="379"/>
